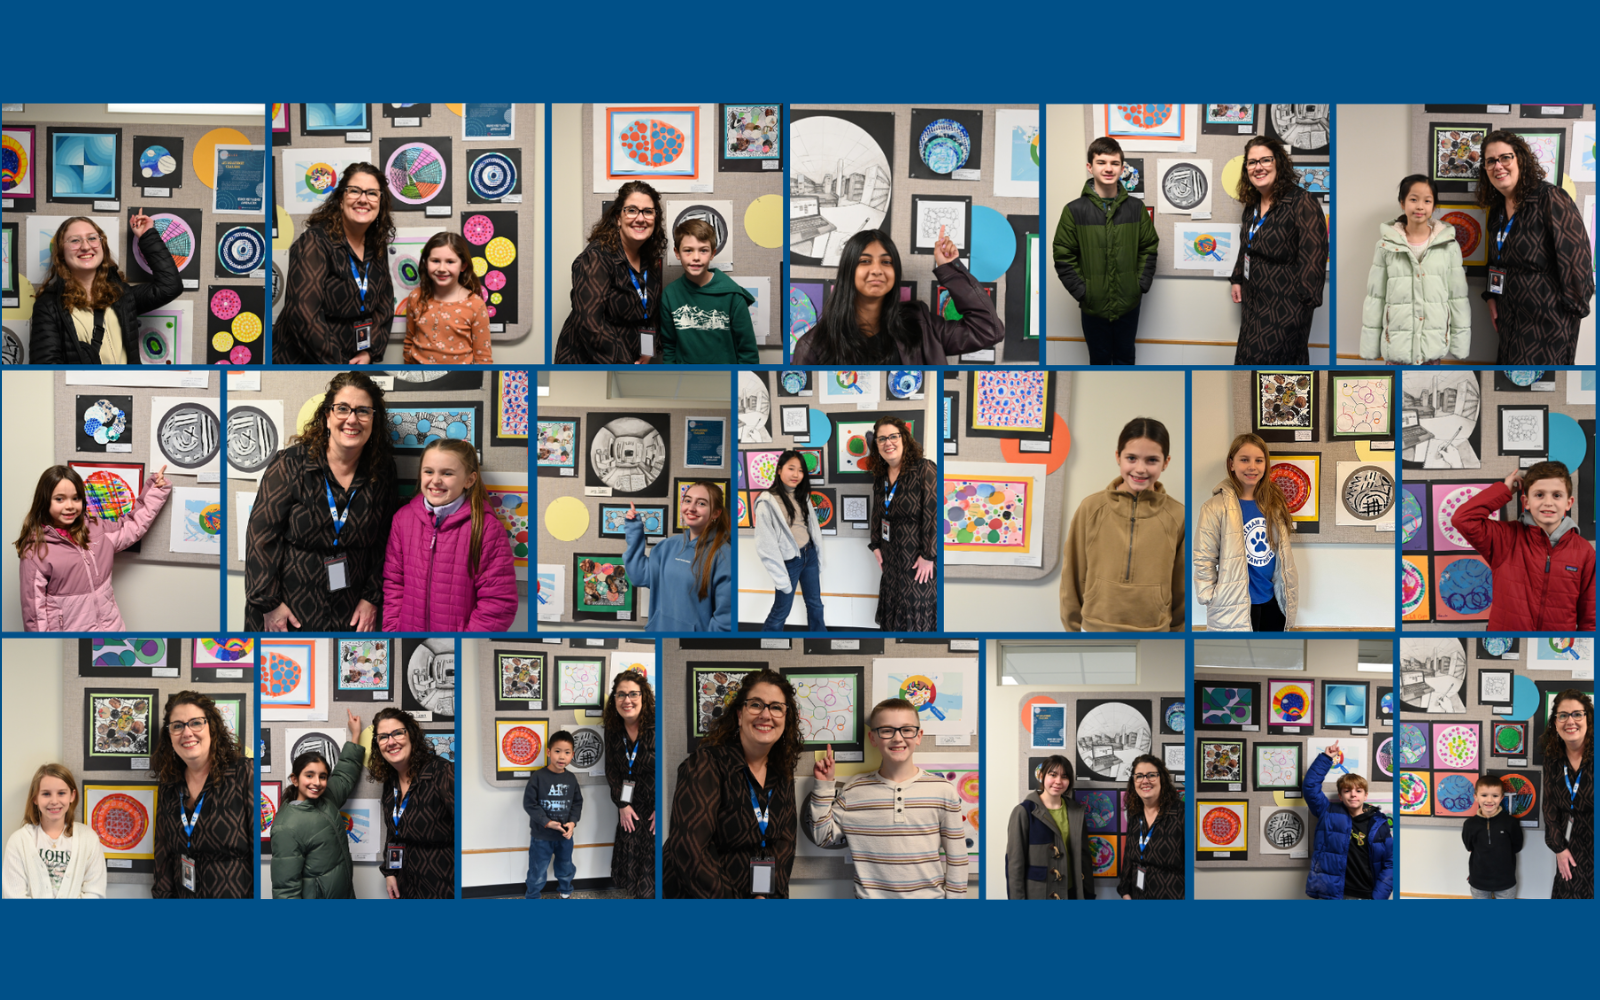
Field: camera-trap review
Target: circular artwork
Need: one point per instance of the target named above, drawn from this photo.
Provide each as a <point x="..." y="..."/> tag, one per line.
<point x="1386" y="703"/>
<point x="1413" y="792"/>
<point x="1469" y="231"/>
<point x="1411" y="744"/>
<point x="246" y="327"/>
<point x="269" y="812"/>
<point x="107" y="495"/>
<point x="755" y="408"/>
<point x="802" y="313"/>
<point x="13" y="163"/>
<point x="711" y="217"/>
<point x="716" y="692"/>
<point x="1523" y="377"/>
<point x="279" y="674"/>
<point x="175" y="233"/>
<point x="1290" y="703"/>
<point x="1130" y="176"/>
<point x="1184" y="185"/>
<point x="500" y="252"/>
<point x="1454" y="794"/>
<point x="1284" y="829"/>
<point x="1102" y="855"/>
<point x="416" y="173"/>
<point x="1110" y="735"/>
<point x="1147" y="116"/>
<point x="1293" y="482"/>
<point x="478" y="230"/>
<point x="157" y="161"/>
<point x="277" y="283"/>
<point x="652" y="143"/>
<point x="1413" y="588"/>
<point x="763" y="469"/>
<point x="1176" y="716"/>
<point x="824" y="508"/>
<point x="494" y="281"/>
<point x="492" y="176"/>
<point x="431" y="676"/>
<point x="252" y="438"/>
<point x="120" y="820"/>
<point x="1447" y="508"/>
<point x="628" y="454"/>
<point x="1521" y="795"/>
<point x="1508" y="739"/>
<point x="792" y="382"/>
<point x="1497" y="646"/>
<point x="825" y="150"/>
<point x="1410" y="517"/>
<point x="1220" y="826"/>
<point x="12" y="352"/>
<point x="318" y="743"/>
<point x="104" y="421"/>
<point x="188" y="435"/>
<point x="225" y="303"/>
<point x="521" y="745"/>
<point x="1455" y="746"/>
<point x="903" y="384"/>
<point x="984" y="514"/>
<point x="741" y="508"/>
<point x="1384" y="755"/>
<point x="1099" y="809"/>
<point x="944" y="145"/>
<point x="1368" y="493"/>
<point x="228" y="649"/>
<point x="588" y="746"/>
<point x="321" y="178"/>
<point x="243" y="249"/>
<point x="1466" y="586"/>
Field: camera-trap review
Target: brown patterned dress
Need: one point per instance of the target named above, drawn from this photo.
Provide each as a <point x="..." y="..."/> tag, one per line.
<point x="904" y="605"/>
<point x="223" y="847"/>
<point x="603" y="327"/>
<point x="1288" y="267"/>
<point x="323" y="303"/>
<point x="714" y="835"/>
<point x="633" y="855"/>
<point x="428" y="829"/>
<point x="1559" y="809"/>
<point x="1162" y="858"/>
<point x="1549" y="278"/>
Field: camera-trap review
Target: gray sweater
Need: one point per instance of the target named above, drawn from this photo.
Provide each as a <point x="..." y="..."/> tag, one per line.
<point x="551" y="797"/>
<point x="775" y="542"/>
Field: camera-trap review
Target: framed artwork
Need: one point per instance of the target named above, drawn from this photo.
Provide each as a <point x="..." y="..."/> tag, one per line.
<point x="856" y="510"/>
<point x="1416" y="590"/>
<point x="703" y="440"/>
<point x="1011" y="403"/>
<point x="1284" y="829"/>
<point x="1499" y="648"/>
<point x="850" y="447"/>
<point x="1345" y="705"/>
<point x="235" y="712"/>
<point x="712" y="688"/>
<point x="1173" y="755"/>
<point x="1291" y="706"/>
<point x="1456" y="154"/>
<point x="363" y="670"/>
<point x="1456" y="745"/>
<point x="1445" y="498"/>
<point x="1228" y="119"/>
<point x="413" y="425"/>
<point x="794" y="382"/>
<point x="1350" y="758"/>
<point x="827" y="144"/>
<point x="1110" y="733"/>
<point x="744" y="510"/>
<point x="120" y="727"/>
<point x="1277" y="766"/>
<point x="933" y="216"/>
<point x="1227" y="706"/>
<point x="1549" y="146"/>
<point x="508" y="502"/>
<point x="1470" y="222"/>
<point x="1222" y="764"/>
<point x="85" y="164"/>
<point x="269" y="799"/>
<point x="510" y="408"/>
<point x="288" y="676"/>
<point x="519" y="680"/>
<point x="1148" y="127"/>
<point x="1105" y="855"/>
<point x="416" y="170"/>
<point x="429" y="667"/>
<point x="629" y="452"/>
<point x="816" y="464"/>
<point x="945" y="141"/>
<point x="128" y="656"/>
<point x="556" y="445"/>
<point x="1285" y="405"/>
<point x="494" y="175"/>
<point x="1463" y="588"/>
<point x="795" y="420"/>
<point x="1220" y="829"/>
<point x="1299" y="478"/>
<point x="443" y="743"/>
<point x="1100" y="809"/>
<point x="1307" y="129"/>
<point x="751" y="137"/>
<point x="904" y="383"/>
<point x="1173" y="716"/>
<point x="666" y="145"/>
<point x="761" y="468"/>
<point x="1412" y="745"/>
<point x="335" y="120"/>
<point x="210" y="654"/>
<point x="1383" y="697"/>
<point x="1453" y="793"/>
<point x="102" y="421"/>
<point x="1522" y="793"/>
<point x="754" y="408"/>
<point x="1383" y="764"/>
<point x="825" y="501"/>
<point x="122" y="815"/>
<point x="1433" y="675"/>
<point x="1360" y="405"/>
<point x="1414" y="520"/>
<point x="180" y="232"/>
<point x="1524" y="430"/>
<point x="519" y="747"/>
<point x="1508" y="739"/>
<point x="947" y="422"/>
<point x="990" y="513"/>
<point x="680" y="485"/>
<point x="1495" y="687"/>
<point x="600" y="588"/>
<point x="580" y="682"/>
<point x="1413" y="793"/>
<point x="830" y="706"/>
<point x="613" y="517"/>
<point x="21" y="167"/>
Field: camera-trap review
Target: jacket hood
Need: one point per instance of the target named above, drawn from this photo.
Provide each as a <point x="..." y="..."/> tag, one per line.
<point x="720" y="284"/>
<point x="1567" y="524"/>
<point x="1226" y="488"/>
<point x="1090" y="192"/>
<point x="417" y="507"/>
<point x="1392" y="236"/>
<point x="1150" y="500"/>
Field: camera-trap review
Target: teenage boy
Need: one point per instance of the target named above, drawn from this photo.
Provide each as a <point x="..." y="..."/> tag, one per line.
<point x="1105" y="253"/>
<point x="901" y="824"/>
<point x="553" y="800"/>
<point x="705" y="315"/>
<point x="1352" y="856"/>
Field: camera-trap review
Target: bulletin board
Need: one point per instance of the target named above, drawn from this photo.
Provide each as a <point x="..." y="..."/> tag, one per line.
<point x="954" y="761"/>
<point x="70" y="441"/>
<point x="179" y="197"/>
<point x="494" y="174"/>
<point x="905" y="175"/>
<point x="1466" y="430"/>
<point x="961" y="445"/>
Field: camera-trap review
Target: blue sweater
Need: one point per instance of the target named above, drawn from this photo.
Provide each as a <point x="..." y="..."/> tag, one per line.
<point x="1331" y="850"/>
<point x="672" y="575"/>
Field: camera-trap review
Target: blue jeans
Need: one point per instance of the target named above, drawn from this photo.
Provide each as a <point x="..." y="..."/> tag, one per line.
<point x="539" y="854"/>
<point x="805" y="572"/>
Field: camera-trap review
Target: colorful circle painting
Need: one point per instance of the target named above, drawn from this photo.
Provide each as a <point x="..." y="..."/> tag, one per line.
<point x="1291" y="703"/>
<point x="1466" y="586"/>
<point x="792" y="382"/>
<point x="1455" y="746"/>
<point x="802" y="313"/>
<point x="492" y="176"/>
<point x="500" y="252"/>
<point x="1410" y="517"/>
<point x="13" y="163"/>
<point x="157" y="161"/>
<point x="521" y="745"/>
<point x="107" y="495"/>
<point x="225" y="303"/>
<point x="1177" y="716"/>
<point x="1508" y="738"/>
<point x="242" y="249"/>
<point x="1453" y="794"/>
<point x="1221" y="826"/>
<point x="416" y="173"/>
<point x="1413" y="588"/>
<point x="1413" y="745"/>
<point x="1469" y="231"/>
<point x="1497" y="645"/>
<point x="1384" y="755"/>
<point x="120" y="820"/>
<point x="175" y="235"/>
<point x="1100" y="809"/>
<point x="1293" y="482"/>
<point x="279" y="675"/>
<point x="985" y="514"/>
<point x="823" y="507"/>
<point x="652" y="143"/>
<point x="321" y="178"/>
<point x="944" y="145"/>
<point x="1147" y="116"/>
<point x="1521" y="795"/>
<point x="1413" y="792"/>
<point x="478" y="230"/>
<point x="1523" y="377"/>
<point x="151" y="652"/>
<point x="1102" y="855"/>
<point x="229" y="649"/>
<point x="211" y="519"/>
<point x="1447" y="508"/>
<point x="269" y="812"/>
<point x="104" y="421"/>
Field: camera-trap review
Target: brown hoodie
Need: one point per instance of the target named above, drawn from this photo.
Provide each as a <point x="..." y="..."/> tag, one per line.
<point x="1123" y="566"/>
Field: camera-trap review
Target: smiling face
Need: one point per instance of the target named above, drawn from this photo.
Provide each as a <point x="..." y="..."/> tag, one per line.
<point x="363" y="197"/>
<point x="1489" y="797"/>
<point x="66" y="505"/>
<point x="193" y="745"/>
<point x="443" y="477"/>
<point x="1418" y="203"/>
<point x="763" y="728"/>
<point x="1547" y="502"/>
<point x="350" y="432"/>
<point x="82" y="246"/>
<point x="1576" y="726"/>
<point x="1503" y="172"/>
<point x="1056" y="782"/>
<point x="792" y="472"/>
<point x="643" y="225"/>
<point x="629" y="700"/>
<point x="875" y="274"/>
<point x="1106" y="169"/>
<point x="1248" y="465"/>
<point x="1141" y="463"/>
<point x="890" y="442"/>
<point x="694" y="255"/>
<point x="312" y="780"/>
<point x="444" y="267"/>
<point x="896" y="748"/>
<point x="1262" y="166"/>
<point x="393" y="742"/>
<point x="696" y="508"/>
<point x="1147" y="782"/>
<point x="54" y="801"/>
<point x="1354" y="798"/>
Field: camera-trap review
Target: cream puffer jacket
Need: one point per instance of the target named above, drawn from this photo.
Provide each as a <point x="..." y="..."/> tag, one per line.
<point x="1416" y="310"/>
<point x="1222" y="571"/>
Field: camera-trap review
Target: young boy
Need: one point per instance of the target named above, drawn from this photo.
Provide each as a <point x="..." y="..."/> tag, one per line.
<point x="1105" y="253"/>
<point x="553" y="801"/>
<point x="1493" y="838"/>
<point x="1543" y="568"/>
<point x="1353" y="855"/>
<point x="705" y="315"/>
<point x="897" y="821"/>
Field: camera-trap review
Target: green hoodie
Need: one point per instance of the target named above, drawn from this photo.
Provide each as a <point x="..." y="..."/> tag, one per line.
<point x="709" y="325"/>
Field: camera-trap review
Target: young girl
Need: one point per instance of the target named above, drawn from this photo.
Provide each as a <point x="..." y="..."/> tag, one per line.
<point x="1123" y="568"/>
<point x="690" y="576"/>
<point x="448" y="568"/>
<point x="1416" y="310"/>
<point x="310" y="847"/>
<point x="447" y="321"/>
<point x="66" y="554"/>
<point x="47" y="858"/>
<point x="1243" y="569"/>
<point x="786" y="541"/>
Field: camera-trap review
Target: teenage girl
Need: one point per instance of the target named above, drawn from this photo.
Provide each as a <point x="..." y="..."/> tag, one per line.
<point x="66" y="554"/>
<point x="447" y="321"/>
<point x="1123" y="568"/>
<point x="690" y="576"/>
<point x="1243" y="569"/>
<point x="50" y="857"/>
<point x="448" y="568"/>
<point x="310" y="845"/>
<point x="1416" y="309"/>
<point x="786" y="541"/>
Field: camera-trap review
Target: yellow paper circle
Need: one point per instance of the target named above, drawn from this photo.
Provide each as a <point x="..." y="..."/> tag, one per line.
<point x="222" y="341"/>
<point x="285" y="230"/>
<point x="308" y="411"/>
<point x="459" y="109"/>
<point x="1277" y="798"/>
<point x="1231" y="172"/>
<point x="204" y="159"/>
<point x="23" y="310"/>
<point x="247" y="327"/>
<point x="500" y="251"/>
<point x="480" y="267"/>
<point x="566" y="519"/>
<point x="495" y="298"/>
<point x="1570" y="188"/>
<point x="763" y="221"/>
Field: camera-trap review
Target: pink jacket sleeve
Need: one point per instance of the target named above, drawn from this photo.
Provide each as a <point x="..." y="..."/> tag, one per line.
<point x="495" y="588"/>
<point x="125" y="532"/>
<point x="35" y="582"/>
<point x="394" y="573"/>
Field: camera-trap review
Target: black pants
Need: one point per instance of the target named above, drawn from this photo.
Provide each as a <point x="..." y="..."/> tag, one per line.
<point x="1267" y="617"/>
<point x="1111" y="340"/>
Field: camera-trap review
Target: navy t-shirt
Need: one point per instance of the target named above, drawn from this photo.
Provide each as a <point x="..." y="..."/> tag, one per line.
<point x="1258" y="549"/>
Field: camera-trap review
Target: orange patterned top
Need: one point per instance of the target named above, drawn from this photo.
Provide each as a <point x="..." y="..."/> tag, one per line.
<point x="449" y="333"/>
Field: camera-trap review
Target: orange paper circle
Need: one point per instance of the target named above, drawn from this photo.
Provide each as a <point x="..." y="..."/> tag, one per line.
<point x="1060" y="444"/>
<point x="204" y="159"/>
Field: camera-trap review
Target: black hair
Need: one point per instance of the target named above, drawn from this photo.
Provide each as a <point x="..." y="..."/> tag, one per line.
<point x="1406" y="185"/>
<point x="800" y="496"/>
<point x="560" y="736"/>
<point x="1105" y="146"/>
<point x="1053" y="762"/>
<point x="291" y="791"/>
<point x="839" y="338"/>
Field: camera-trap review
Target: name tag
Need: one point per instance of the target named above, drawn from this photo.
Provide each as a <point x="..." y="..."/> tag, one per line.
<point x="627" y="792"/>
<point x="761" y="877"/>
<point x="1138" y="879"/>
<point x="1247" y="267"/>
<point x="884" y="532"/>
<point x="336" y="573"/>
<point x="397" y="857"/>
<point x="647" y="342"/>
<point x="1497" y="281"/>
<point x="363" y="336"/>
<point x="188" y="872"/>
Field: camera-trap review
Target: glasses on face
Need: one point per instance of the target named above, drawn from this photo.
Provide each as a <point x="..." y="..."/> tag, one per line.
<point x="1147" y="776"/>
<point x="79" y="242"/>
<point x="195" y="724"/>
<point x="629" y="695"/>
<point x="776" y="708"/>
<point x="1265" y="161"/>
<point x="631" y="212"/>
<point x="888" y="438"/>
<point x="361" y="413"/>
<point x="906" y="732"/>
<point x="398" y="736"/>
<point x="1570" y="716"/>
<point x="357" y="194"/>
<point x="1503" y="160"/>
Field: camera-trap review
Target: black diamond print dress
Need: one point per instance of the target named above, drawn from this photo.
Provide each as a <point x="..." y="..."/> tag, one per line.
<point x="633" y="855"/>
<point x="1288" y="267"/>
<point x="1549" y="278"/>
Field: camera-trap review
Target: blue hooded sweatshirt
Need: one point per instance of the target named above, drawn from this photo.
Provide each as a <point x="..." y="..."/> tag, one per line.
<point x="670" y="571"/>
<point x="1330" y="852"/>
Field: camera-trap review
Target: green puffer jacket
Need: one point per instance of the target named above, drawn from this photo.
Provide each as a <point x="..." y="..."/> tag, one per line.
<point x="1106" y="259"/>
<point x="310" y="849"/>
<point x="1416" y="310"/>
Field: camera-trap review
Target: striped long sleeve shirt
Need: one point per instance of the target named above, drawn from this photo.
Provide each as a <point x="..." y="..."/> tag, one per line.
<point x="906" y="838"/>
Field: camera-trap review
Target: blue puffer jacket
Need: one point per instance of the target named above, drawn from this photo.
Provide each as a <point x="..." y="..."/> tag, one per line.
<point x="1334" y="825"/>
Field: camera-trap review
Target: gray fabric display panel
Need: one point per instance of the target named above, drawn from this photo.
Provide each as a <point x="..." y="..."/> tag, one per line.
<point x="970" y="448"/>
<point x="492" y="708"/>
<point x="155" y="546"/>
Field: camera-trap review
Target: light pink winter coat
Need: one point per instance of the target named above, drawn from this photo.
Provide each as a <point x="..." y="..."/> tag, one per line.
<point x="426" y="587"/>
<point x="68" y="589"/>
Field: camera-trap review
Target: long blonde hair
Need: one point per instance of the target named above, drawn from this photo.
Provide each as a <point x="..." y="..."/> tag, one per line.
<point x="477" y="493"/>
<point x="1274" y="508"/>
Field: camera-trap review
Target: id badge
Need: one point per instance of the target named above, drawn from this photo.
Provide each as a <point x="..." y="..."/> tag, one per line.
<point x="761" y="877"/>
<point x="884" y="531"/>
<point x="1247" y="267"/>
<point x="1497" y="280"/>
<point x="1138" y="880"/>
<point x="397" y="857"/>
<point x="336" y="572"/>
<point x="627" y="792"/>
<point x="363" y="336"/>
<point x="647" y="342"/>
<point x="188" y="872"/>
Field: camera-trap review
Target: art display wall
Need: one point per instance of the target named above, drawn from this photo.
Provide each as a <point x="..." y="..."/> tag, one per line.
<point x="474" y="169"/>
<point x="1464" y="431"/>
<point x="970" y="171"/>
<point x="202" y="180"/>
<point x="836" y="688"/>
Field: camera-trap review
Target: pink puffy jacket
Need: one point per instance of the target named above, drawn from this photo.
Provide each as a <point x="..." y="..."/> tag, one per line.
<point x="426" y="587"/>
<point x="68" y="589"/>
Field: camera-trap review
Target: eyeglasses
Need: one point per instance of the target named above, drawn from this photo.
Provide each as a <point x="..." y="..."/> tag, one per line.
<point x="629" y="695"/>
<point x="398" y="736"/>
<point x="634" y="212"/>
<point x="79" y="242"/>
<point x="356" y="194"/>
<point x="776" y="708"/>
<point x="195" y="724"/>
<point x="1503" y="160"/>
<point x="906" y="732"/>
<point x="1265" y="161"/>
<point x="1151" y="776"/>
<point x="343" y="412"/>
<point x="888" y="438"/>
<point x="1571" y="716"/>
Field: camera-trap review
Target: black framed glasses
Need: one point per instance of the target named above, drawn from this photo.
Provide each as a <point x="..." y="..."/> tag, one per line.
<point x="397" y="736"/>
<point x="634" y="212"/>
<point x="629" y="695"/>
<point x="1147" y="776"/>
<point x="887" y="732"/>
<point x="776" y="708"/>
<point x="1571" y="716"/>
<point x="195" y="724"/>
<point x="344" y="412"/>
<point x="1264" y="161"/>
<point x="1503" y="160"/>
<point x="356" y="194"/>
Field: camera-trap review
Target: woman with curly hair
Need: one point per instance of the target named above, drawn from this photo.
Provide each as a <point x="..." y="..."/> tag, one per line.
<point x="904" y="528"/>
<point x="630" y="727"/>
<point x="205" y="826"/>
<point x="1541" y="265"/>
<point x="418" y="859"/>
<point x="1568" y="749"/>
<point x="1154" y="864"/>
<point x="616" y="284"/>
<point x="1284" y="264"/>
<point x="315" y="545"/>
<point x="85" y="312"/>
<point x="733" y="810"/>
<point x="338" y="299"/>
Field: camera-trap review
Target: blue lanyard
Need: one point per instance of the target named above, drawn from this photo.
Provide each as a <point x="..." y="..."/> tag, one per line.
<point x="360" y="279"/>
<point x="760" y="810"/>
<point x="1573" y="784"/>
<point x="1259" y="218"/>
<point x="399" y="811"/>
<point x="1500" y="237"/>
<point x="644" y="297"/>
<point x="1144" y="837"/>
<point x="888" y="495"/>
<point x="634" y="752"/>
<point x="333" y="509"/>
<point x="190" y="822"/>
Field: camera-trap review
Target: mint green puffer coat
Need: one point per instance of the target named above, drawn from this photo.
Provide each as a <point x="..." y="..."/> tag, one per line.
<point x="1416" y="310"/>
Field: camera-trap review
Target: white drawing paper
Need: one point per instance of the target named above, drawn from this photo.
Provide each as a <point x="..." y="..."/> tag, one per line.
<point x="550" y="592"/>
<point x="945" y="690"/>
<point x="196" y="520"/>
<point x="1205" y="246"/>
<point x="1184" y="186"/>
<point x="1016" y="147"/>
<point x="1178" y="133"/>
<point x="309" y="173"/>
<point x="761" y="308"/>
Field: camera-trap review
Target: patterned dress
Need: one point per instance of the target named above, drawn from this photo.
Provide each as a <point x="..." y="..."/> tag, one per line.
<point x="1559" y="809"/>
<point x="223" y="848"/>
<point x="904" y="605"/>
<point x="291" y="533"/>
<point x="1288" y="268"/>
<point x="1549" y="278"/>
<point x="603" y="327"/>
<point x="449" y="333"/>
<point x="1162" y="858"/>
<point x="323" y="303"/>
<point x="428" y="829"/>
<point x="633" y="855"/>
<point x="714" y="836"/>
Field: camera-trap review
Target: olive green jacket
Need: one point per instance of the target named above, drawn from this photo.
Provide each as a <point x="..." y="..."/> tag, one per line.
<point x="310" y="845"/>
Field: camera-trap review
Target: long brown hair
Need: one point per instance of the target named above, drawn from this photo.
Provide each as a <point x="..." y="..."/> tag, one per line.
<point x="167" y="764"/>
<point x="31" y="814"/>
<point x="1530" y="176"/>
<point x="714" y="535"/>
<point x="911" y="451"/>
<point x="37" y="522"/>
<point x="611" y="719"/>
<point x="314" y="435"/>
<point x="608" y="233"/>
<point x="330" y="214"/>
<point x="421" y="297"/>
<point x="786" y="752"/>
<point x="1168" y="802"/>
<point x="1274" y="508"/>
<point x="1553" y="746"/>
<point x="477" y="493"/>
<point x="422" y="752"/>
<point x="1282" y="184"/>
<point x="107" y="286"/>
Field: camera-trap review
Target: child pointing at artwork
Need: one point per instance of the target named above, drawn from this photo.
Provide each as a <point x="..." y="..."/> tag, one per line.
<point x="1353" y="856"/>
<point x="1493" y="838"/>
<point x="66" y="554"/>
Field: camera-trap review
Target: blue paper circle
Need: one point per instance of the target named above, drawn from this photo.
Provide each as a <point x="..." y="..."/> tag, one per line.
<point x="993" y="244"/>
<point x="1524" y="698"/>
<point x="821" y="429"/>
<point x="1567" y="443"/>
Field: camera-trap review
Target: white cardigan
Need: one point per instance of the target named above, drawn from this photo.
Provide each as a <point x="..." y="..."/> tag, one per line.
<point x="25" y="876"/>
<point x="775" y="542"/>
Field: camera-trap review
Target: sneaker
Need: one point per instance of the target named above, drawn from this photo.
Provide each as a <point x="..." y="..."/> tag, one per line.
<point x="566" y="895"/>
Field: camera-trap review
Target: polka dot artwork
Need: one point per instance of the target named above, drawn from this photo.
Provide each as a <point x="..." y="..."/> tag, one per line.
<point x="1455" y="746"/>
<point x="987" y="514"/>
<point x="478" y="230"/>
<point x="120" y="820"/>
<point x="156" y="162"/>
<point x="280" y="674"/>
<point x="1221" y="828"/>
<point x="521" y="745"/>
<point x="104" y="422"/>
<point x="234" y="324"/>
<point x="1294" y="483"/>
<point x="225" y="303"/>
<point x="1447" y="505"/>
<point x="246" y="327"/>
<point x="242" y="249"/>
<point x="500" y="252"/>
<point x="652" y="143"/>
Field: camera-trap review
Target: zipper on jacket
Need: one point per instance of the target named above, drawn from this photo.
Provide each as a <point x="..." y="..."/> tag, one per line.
<point x="427" y="603"/>
<point x="1133" y="521"/>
